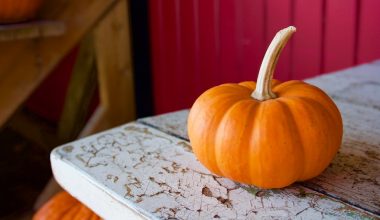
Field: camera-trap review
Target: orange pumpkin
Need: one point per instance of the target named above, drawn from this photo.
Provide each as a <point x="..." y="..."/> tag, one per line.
<point x="18" y="10"/>
<point x="269" y="134"/>
<point x="63" y="206"/>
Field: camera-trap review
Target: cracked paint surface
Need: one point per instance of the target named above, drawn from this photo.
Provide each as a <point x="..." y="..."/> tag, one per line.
<point x="353" y="176"/>
<point x="159" y="174"/>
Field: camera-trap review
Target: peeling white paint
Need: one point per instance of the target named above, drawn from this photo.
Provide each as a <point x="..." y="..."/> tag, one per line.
<point x="153" y="172"/>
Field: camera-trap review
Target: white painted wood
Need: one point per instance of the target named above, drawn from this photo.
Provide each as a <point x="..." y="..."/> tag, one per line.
<point x="376" y="62"/>
<point x="135" y="169"/>
<point x="173" y="123"/>
<point x="338" y="83"/>
<point x="353" y="175"/>
<point x="101" y="200"/>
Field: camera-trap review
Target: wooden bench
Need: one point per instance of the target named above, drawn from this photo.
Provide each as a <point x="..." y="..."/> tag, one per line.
<point x="146" y="169"/>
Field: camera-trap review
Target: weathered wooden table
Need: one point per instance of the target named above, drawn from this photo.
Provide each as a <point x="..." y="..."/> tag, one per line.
<point x="146" y="169"/>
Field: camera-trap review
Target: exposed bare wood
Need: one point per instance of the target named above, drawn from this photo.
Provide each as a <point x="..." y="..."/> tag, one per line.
<point x="24" y="64"/>
<point x="114" y="59"/>
<point x="80" y="92"/>
<point x="28" y="30"/>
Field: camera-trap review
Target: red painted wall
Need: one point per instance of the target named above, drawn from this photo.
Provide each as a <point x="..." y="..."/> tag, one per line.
<point x="198" y="44"/>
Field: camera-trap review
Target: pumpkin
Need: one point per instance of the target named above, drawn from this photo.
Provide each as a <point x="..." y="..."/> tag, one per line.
<point x="64" y="206"/>
<point x="18" y="10"/>
<point x="268" y="134"/>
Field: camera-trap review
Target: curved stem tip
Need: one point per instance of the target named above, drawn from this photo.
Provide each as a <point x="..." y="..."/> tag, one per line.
<point x="263" y="89"/>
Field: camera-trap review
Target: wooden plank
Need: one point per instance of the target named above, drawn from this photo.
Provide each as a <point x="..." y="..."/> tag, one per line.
<point x="307" y="44"/>
<point x="114" y="64"/>
<point x="353" y="175"/>
<point x="340" y="34"/>
<point x="80" y="92"/>
<point x="173" y="123"/>
<point x="29" y="30"/>
<point x="336" y="83"/>
<point x="26" y="63"/>
<point x="369" y="31"/>
<point x="140" y="172"/>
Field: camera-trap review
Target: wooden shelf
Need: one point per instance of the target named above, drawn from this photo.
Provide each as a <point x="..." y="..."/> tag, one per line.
<point x="29" y="30"/>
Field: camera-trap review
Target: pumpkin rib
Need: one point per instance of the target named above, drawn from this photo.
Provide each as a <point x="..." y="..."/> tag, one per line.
<point x="337" y="120"/>
<point x="70" y="215"/>
<point x="277" y="156"/>
<point x="322" y="97"/>
<point x="83" y="211"/>
<point x="246" y="104"/>
<point x="94" y="216"/>
<point x="328" y="106"/>
<point x="221" y="98"/>
<point x="250" y="141"/>
<point x="311" y="103"/>
<point x="292" y="118"/>
<point x="215" y="135"/>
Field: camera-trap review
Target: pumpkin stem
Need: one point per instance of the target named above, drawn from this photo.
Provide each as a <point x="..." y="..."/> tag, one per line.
<point x="263" y="89"/>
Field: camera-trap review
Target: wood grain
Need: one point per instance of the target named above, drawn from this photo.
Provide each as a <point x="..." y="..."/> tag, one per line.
<point x="114" y="64"/>
<point x="25" y="64"/>
<point x="29" y="30"/>
<point x="81" y="89"/>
